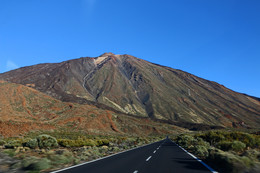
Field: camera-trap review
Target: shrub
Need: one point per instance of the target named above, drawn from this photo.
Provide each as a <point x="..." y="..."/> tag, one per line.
<point x="79" y="142"/>
<point x="90" y="142"/>
<point x="257" y="141"/>
<point x="27" y="161"/>
<point x="2" y="142"/>
<point x="65" y="142"/>
<point x="235" y="146"/>
<point x="103" y="149"/>
<point x="103" y="142"/>
<point x="40" y="164"/>
<point x="32" y="143"/>
<point x="185" y="141"/>
<point x="213" y="137"/>
<point x="238" y="146"/>
<point x="248" y="139"/>
<point x="224" y="145"/>
<point x="10" y="152"/>
<point x="201" y="142"/>
<point x="228" y="162"/>
<point x="115" y="149"/>
<point x="252" y="154"/>
<point x="46" y="141"/>
<point x="200" y="151"/>
<point x="131" y="141"/>
<point x="95" y="152"/>
<point x="60" y="159"/>
<point x="76" y="143"/>
<point x="13" y="144"/>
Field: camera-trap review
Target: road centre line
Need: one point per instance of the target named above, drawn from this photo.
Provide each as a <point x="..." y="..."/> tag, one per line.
<point x="148" y="158"/>
<point x="154" y="151"/>
<point x="135" y="171"/>
<point x="100" y="158"/>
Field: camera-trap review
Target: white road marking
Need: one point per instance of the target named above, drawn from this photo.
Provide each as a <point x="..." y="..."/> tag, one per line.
<point x="154" y="151"/>
<point x="100" y="158"/>
<point x="148" y="158"/>
<point x="135" y="171"/>
<point x="212" y="170"/>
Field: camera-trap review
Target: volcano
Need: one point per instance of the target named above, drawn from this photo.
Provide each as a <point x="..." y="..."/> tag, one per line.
<point x="126" y="84"/>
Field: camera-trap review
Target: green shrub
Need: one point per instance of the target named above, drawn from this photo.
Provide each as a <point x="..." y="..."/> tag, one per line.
<point x="257" y="142"/>
<point x="224" y="145"/>
<point x="201" y="142"/>
<point x="38" y="165"/>
<point x="90" y="142"/>
<point x="252" y="154"/>
<point x="248" y="139"/>
<point x="102" y="142"/>
<point x="79" y="142"/>
<point x="95" y="152"/>
<point x="103" y="149"/>
<point x="228" y="162"/>
<point x="185" y="141"/>
<point x="27" y="161"/>
<point x="76" y="143"/>
<point x="32" y="143"/>
<point x="2" y="142"/>
<point x="10" y="152"/>
<point x="235" y="146"/>
<point x="200" y="151"/>
<point x="12" y="144"/>
<point x="131" y="141"/>
<point x="203" y="145"/>
<point x="115" y="149"/>
<point x="46" y="141"/>
<point x="61" y="157"/>
<point x="64" y="142"/>
<point x="238" y="146"/>
<point x="213" y="137"/>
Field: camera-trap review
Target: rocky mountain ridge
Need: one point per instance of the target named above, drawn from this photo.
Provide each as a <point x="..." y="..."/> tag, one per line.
<point x="134" y="86"/>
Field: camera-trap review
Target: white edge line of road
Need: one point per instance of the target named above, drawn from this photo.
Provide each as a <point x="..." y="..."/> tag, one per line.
<point x="102" y="158"/>
<point x="207" y="166"/>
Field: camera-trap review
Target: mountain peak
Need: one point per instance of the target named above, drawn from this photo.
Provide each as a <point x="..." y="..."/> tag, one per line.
<point x="107" y="54"/>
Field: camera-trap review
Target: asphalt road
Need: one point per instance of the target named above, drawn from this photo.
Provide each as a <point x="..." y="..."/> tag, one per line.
<point x="159" y="157"/>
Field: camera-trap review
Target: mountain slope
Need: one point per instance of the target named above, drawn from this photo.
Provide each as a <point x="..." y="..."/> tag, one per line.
<point x="138" y="87"/>
<point x="23" y="109"/>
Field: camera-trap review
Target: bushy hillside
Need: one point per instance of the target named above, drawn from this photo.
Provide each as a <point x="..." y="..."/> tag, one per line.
<point x="23" y="109"/>
<point x="225" y="151"/>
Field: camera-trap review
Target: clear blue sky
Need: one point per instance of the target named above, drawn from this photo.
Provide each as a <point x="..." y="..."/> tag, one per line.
<point x="218" y="40"/>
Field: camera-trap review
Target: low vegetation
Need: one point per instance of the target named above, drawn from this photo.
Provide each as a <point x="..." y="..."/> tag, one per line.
<point x="224" y="151"/>
<point x="232" y="151"/>
<point x="46" y="152"/>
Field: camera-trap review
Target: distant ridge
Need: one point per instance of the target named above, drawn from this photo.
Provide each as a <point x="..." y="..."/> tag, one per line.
<point x="256" y="98"/>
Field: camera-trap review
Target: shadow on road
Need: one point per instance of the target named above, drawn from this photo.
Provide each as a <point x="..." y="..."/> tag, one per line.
<point x="190" y="163"/>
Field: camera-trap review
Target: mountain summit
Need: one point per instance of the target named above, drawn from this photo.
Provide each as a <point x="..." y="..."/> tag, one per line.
<point x="138" y="87"/>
